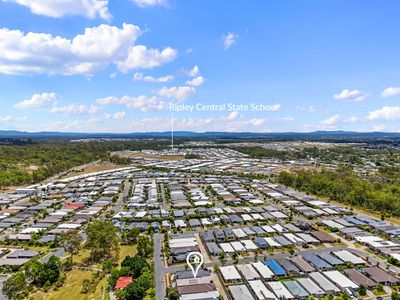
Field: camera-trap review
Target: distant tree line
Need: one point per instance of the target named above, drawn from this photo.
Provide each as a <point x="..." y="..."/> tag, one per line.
<point x="378" y="192"/>
<point x="32" y="163"/>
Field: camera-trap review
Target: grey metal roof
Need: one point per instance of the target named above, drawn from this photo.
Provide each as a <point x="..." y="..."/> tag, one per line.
<point x="296" y="289"/>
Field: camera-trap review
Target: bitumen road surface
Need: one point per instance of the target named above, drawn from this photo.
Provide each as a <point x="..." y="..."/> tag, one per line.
<point x="159" y="267"/>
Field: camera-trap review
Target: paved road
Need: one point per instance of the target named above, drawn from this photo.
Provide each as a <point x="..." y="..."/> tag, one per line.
<point x="118" y="206"/>
<point x="159" y="267"/>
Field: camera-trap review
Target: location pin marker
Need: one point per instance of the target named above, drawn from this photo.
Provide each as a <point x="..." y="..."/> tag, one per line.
<point x="195" y="261"/>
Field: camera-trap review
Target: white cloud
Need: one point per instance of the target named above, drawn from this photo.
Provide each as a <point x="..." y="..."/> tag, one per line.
<point x="379" y="127"/>
<point x="351" y="120"/>
<point x="390" y="92"/>
<point x="196" y="81"/>
<point x="257" y="122"/>
<point x="142" y="102"/>
<point x="42" y="100"/>
<point x="179" y="93"/>
<point x="11" y="118"/>
<point x="288" y="119"/>
<point x="141" y="57"/>
<point x="350" y="95"/>
<point x="117" y="116"/>
<point x="58" y="8"/>
<point x="232" y="116"/>
<point x="330" y="122"/>
<point x="163" y="79"/>
<point x="72" y="109"/>
<point x="310" y="109"/>
<point x="96" y="48"/>
<point x="387" y="113"/>
<point x="229" y="39"/>
<point x="144" y="3"/>
<point x="193" y="72"/>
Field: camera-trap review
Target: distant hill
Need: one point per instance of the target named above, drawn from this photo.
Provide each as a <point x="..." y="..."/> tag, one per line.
<point x="316" y="135"/>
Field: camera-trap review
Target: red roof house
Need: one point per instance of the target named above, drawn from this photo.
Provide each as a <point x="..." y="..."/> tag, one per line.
<point x="123" y="282"/>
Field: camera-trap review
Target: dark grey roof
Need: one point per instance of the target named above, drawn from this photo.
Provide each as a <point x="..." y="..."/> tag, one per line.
<point x="189" y="274"/>
<point x="332" y="260"/>
<point x="288" y="265"/>
<point x="316" y="261"/>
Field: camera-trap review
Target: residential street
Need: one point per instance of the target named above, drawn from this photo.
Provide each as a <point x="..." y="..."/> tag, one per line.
<point x="159" y="267"/>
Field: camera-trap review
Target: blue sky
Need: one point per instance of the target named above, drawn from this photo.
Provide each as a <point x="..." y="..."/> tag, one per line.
<point x="117" y="66"/>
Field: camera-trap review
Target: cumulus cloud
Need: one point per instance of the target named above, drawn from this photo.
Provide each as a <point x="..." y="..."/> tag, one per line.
<point x="180" y="93"/>
<point x="199" y="80"/>
<point x="193" y="72"/>
<point x="229" y="39"/>
<point x="142" y="102"/>
<point x="163" y="79"/>
<point x="351" y="120"/>
<point x="117" y="116"/>
<point x="141" y="57"/>
<point x="387" y="113"/>
<point x="42" y="100"/>
<point x="257" y="122"/>
<point x="350" y="95"/>
<point x="96" y="48"/>
<point x="232" y="116"/>
<point x="72" y="109"/>
<point x="58" y="8"/>
<point x="390" y="92"/>
<point x="145" y="3"/>
<point x="330" y="122"/>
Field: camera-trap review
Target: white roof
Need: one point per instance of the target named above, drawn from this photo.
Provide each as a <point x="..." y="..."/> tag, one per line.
<point x="239" y="233"/>
<point x="375" y="241"/>
<point x="69" y="226"/>
<point x="264" y="271"/>
<point x="310" y="286"/>
<point x="179" y="223"/>
<point x="293" y="238"/>
<point x="205" y="295"/>
<point x="278" y="228"/>
<point x="31" y="230"/>
<point x="205" y="221"/>
<point x="256" y="201"/>
<point x="340" y="279"/>
<point x="323" y="282"/>
<point x="59" y="213"/>
<point x="249" y="245"/>
<point x="141" y="214"/>
<point x="349" y="257"/>
<point x="240" y="292"/>
<point x="278" y="214"/>
<point x="280" y="290"/>
<point x="247" y="217"/>
<point x="227" y="248"/>
<point x="238" y="246"/>
<point x="248" y="271"/>
<point x="218" y="210"/>
<point x="332" y="224"/>
<point x="272" y="242"/>
<point x="268" y="229"/>
<point x="318" y="203"/>
<point x="261" y="290"/>
<point x="257" y="217"/>
<point x="184" y="242"/>
<point x="229" y="273"/>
